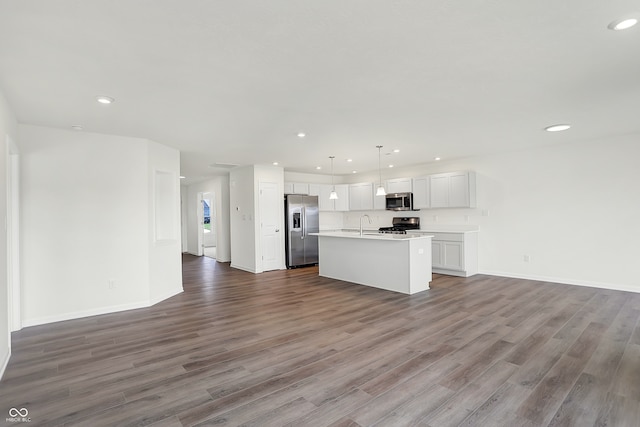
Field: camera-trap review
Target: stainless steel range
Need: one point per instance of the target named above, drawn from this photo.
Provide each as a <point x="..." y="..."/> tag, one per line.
<point x="402" y="224"/>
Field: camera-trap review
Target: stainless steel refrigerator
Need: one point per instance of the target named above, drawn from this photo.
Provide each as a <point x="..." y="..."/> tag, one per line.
<point x="302" y="219"/>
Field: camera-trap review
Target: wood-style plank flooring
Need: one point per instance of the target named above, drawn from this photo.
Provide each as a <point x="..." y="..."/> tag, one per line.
<point x="289" y="348"/>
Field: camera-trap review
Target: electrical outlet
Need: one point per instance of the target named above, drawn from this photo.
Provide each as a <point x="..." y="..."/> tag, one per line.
<point x="526" y="258"/>
<point x="111" y="283"/>
<point x="485" y="212"/>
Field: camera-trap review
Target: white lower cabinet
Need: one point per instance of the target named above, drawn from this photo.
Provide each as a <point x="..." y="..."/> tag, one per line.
<point x="448" y="255"/>
<point x="454" y="253"/>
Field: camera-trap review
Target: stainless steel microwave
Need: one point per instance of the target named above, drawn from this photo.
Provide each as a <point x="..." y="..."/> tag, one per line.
<point x="399" y="201"/>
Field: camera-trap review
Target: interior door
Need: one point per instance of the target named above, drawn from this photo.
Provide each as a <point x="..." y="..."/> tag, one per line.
<point x="270" y="225"/>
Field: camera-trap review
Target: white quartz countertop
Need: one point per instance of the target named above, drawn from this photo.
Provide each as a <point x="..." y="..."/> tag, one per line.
<point x="372" y="235"/>
<point x="444" y="230"/>
<point x="428" y="228"/>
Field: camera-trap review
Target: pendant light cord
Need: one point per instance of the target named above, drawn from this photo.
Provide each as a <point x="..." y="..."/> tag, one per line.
<point x="332" y="184"/>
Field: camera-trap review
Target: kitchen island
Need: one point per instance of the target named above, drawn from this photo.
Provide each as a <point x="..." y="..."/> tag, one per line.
<point x="394" y="262"/>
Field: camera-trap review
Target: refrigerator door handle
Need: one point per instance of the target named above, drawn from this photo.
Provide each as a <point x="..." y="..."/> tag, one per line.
<point x="303" y="222"/>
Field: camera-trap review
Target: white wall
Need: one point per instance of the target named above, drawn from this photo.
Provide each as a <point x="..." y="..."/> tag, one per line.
<point x="573" y="208"/>
<point x="219" y="188"/>
<point x="244" y="196"/>
<point x="183" y="217"/>
<point x="87" y="215"/>
<point x="242" y="218"/>
<point x="8" y="126"/>
<point x="313" y="178"/>
<point x="165" y="259"/>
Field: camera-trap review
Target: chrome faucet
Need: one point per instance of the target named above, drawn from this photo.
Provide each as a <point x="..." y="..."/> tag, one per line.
<point x="361" y="222"/>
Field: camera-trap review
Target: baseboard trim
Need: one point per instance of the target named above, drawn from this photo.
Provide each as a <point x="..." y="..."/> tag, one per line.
<point x="86" y="313"/>
<point x="250" y="270"/>
<point x="450" y="272"/>
<point x="586" y="283"/>
<point x="168" y="295"/>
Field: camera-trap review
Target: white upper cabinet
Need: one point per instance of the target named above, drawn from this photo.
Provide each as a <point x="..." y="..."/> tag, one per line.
<point x="443" y="190"/>
<point x="342" y="203"/>
<point x="361" y="196"/>
<point x="379" y="202"/>
<point x="300" y="188"/>
<point x="288" y="188"/>
<point x="398" y="185"/>
<point x="296" y="188"/>
<point x="421" y="198"/>
<point x="439" y="186"/>
<point x="324" y="190"/>
<point x="452" y="190"/>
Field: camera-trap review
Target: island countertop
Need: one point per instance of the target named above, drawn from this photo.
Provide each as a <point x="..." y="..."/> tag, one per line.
<point x="394" y="262"/>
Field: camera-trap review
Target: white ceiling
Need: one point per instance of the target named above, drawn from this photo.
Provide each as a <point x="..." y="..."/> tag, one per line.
<point x="235" y="81"/>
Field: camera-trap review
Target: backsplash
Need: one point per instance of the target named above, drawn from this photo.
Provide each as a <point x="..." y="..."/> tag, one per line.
<point x="466" y="219"/>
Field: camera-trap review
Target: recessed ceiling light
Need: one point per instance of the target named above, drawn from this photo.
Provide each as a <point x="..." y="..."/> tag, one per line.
<point x="436" y="158"/>
<point x="76" y="127"/>
<point x="396" y="151"/>
<point x="275" y="163"/>
<point x="622" y="24"/>
<point x="390" y="166"/>
<point x="182" y="177"/>
<point x="354" y="171"/>
<point x="349" y="160"/>
<point x="318" y="167"/>
<point x="557" y="128"/>
<point x="301" y="134"/>
<point x="104" y="99"/>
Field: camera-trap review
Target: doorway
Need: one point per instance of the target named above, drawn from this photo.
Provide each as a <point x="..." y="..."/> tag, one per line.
<point x="208" y="225"/>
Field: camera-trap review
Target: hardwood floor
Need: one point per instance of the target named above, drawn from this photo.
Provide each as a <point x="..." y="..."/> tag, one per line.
<point x="291" y="348"/>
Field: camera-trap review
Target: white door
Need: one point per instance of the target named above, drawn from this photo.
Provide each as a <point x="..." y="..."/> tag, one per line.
<point x="271" y="220"/>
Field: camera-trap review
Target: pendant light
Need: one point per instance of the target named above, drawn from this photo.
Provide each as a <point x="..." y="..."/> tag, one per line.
<point x="333" y="195"/>
<point x="380" y="191"/>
